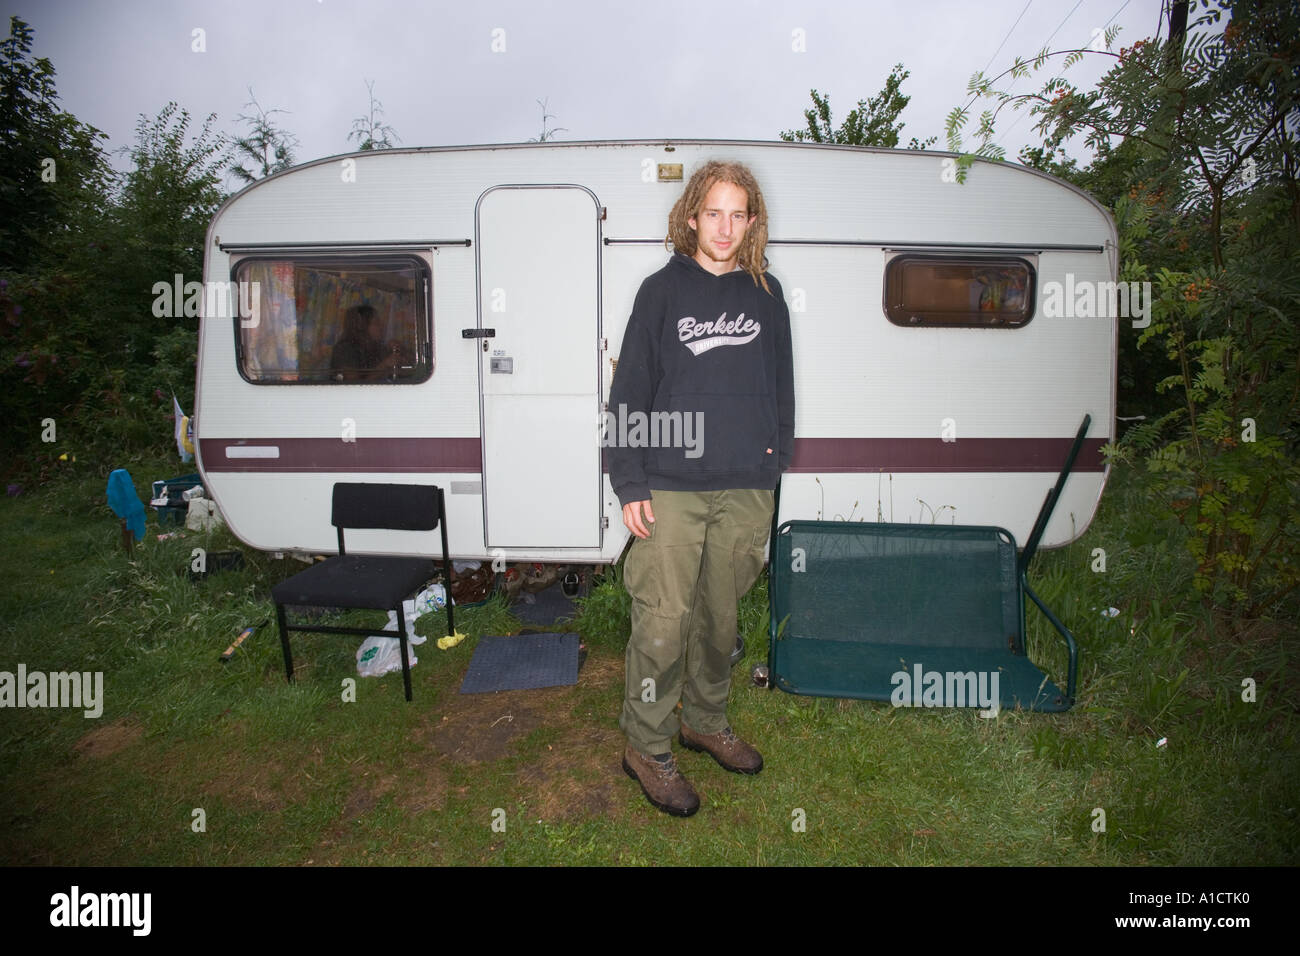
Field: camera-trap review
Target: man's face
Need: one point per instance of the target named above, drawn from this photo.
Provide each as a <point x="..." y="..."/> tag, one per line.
<point x="720" y="227"/>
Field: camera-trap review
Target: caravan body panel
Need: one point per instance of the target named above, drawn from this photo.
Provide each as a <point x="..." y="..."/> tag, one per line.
<point x="523" y="262"/>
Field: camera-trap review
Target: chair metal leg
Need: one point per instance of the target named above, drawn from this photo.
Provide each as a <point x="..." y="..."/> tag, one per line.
<point x="406" y="658"/>
<point x="446" y="561"/>
<point x="284" y="643"/>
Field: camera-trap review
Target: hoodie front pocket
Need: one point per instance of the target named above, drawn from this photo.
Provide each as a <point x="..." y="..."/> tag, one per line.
<point x="702" y="434"/>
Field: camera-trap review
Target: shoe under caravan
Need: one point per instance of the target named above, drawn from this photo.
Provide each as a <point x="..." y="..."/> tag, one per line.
<point x="453" y="316"/>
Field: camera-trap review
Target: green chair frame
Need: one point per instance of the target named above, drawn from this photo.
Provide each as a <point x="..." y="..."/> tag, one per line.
<point x="919" y="615"/>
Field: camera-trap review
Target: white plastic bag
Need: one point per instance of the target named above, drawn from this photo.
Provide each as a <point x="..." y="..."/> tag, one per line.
<point x="409" y="612"/>
<point x="432" y="598"/>
<point x="203" y="515"/>
<point x="381" y="654"/>
<point x="378" y="655"/>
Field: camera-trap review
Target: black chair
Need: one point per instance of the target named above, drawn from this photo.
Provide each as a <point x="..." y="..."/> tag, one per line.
<point x="369" y="581"/>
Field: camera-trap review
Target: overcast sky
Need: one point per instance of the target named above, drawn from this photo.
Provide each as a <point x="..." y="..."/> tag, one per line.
<point x="460" y="73"/>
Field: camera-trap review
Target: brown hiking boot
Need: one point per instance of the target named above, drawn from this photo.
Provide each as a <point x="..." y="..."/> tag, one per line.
<point x="726" y="748"/>
<point x="661" y="782"/>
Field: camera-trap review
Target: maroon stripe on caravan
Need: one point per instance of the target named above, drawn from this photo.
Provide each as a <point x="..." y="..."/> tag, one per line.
<point x="396" y="455"/>
<point x="825" y="455"/>
<point x="818" y="455"/>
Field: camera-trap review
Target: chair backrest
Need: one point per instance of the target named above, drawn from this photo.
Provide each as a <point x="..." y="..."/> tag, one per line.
<point x="896" y="584"/>
<point x="395" y="507"/>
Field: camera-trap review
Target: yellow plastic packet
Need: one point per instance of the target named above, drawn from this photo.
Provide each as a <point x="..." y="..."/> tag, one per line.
<point x="451" y="640"/>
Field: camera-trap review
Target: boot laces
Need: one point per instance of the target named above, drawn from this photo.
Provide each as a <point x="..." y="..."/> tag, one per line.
<point x="667" y="769"/>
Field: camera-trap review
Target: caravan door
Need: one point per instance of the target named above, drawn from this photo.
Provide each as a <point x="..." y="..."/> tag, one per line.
<point x="539" y="368"/>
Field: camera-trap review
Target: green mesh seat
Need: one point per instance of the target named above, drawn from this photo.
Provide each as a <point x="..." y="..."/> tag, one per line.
<point x="918" y="615"/>
<point x="855" y="605"/>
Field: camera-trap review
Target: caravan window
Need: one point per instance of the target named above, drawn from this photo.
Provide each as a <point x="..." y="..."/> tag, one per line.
<point x="963" y="292"/>
<point x="322" y="321"/>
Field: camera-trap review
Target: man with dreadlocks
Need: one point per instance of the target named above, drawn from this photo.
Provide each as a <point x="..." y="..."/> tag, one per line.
<point x="707" y="344"/>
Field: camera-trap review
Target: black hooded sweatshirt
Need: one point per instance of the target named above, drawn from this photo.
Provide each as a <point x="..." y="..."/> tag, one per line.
<point x="703" y="395"/>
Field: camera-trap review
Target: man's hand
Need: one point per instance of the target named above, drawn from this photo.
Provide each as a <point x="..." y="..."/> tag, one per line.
<point x="633" y="519"/>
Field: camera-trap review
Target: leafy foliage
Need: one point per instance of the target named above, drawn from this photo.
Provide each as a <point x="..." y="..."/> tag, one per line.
<point x="50" y="163"/>
<point x="548" y="132"/>
<point x="873" y="123"/>
<point x="82" y="346"/>
<point x="1205" y="195"/>
<point x="370" y="131"/>
<point x="265" y="148"/>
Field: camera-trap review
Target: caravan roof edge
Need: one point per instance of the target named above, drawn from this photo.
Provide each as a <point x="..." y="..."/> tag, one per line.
<point x="663" y="143"/>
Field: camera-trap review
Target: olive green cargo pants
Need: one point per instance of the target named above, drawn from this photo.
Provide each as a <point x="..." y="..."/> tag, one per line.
<point x="704" y="552"/>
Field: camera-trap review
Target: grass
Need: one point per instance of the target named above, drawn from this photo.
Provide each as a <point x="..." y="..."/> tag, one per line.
<point x="197" y="763"/>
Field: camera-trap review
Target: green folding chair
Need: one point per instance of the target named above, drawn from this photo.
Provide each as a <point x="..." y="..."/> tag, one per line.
<point x="919" y="615"/>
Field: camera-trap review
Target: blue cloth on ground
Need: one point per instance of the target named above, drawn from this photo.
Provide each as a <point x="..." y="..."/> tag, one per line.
<point x="125" y="502"/>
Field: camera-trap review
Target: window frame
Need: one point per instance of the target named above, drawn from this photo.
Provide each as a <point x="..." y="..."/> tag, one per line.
<point x="424" y="299"/>
<point x="897" y="315"/>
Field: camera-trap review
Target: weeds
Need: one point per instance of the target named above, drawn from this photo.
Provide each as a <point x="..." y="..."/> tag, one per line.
<point x="290" y="774"/>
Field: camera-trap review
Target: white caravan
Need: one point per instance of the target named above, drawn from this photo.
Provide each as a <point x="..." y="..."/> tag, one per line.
<point x="454" y="316"/>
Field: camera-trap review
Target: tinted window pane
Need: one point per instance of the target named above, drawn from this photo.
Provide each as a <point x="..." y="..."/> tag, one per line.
<point x="340" y="321"/>
<point x="948" y="291"/>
